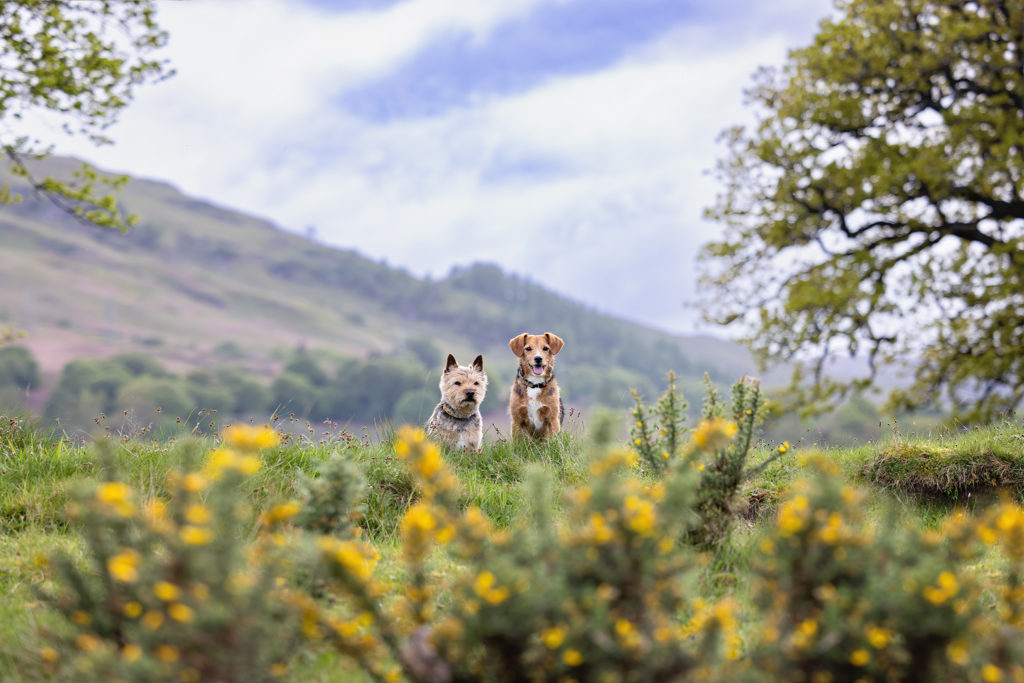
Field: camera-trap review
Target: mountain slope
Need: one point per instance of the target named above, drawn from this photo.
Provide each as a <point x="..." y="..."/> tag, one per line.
<point x="193" y="279"/>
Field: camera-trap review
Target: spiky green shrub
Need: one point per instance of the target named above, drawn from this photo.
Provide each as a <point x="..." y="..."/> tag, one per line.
<point x="720" y="450"/>
<point x="172" y="589"/>
<point x="333" y="497"/>
<point x="842" y="599"/>
<point x="598" y="590"/>
<point x="659" y="441"/>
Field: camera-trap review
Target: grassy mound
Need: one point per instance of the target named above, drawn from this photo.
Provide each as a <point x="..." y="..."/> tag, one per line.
<point x="977" y="462"/>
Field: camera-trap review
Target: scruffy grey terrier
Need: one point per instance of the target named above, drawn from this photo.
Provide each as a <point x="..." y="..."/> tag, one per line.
<point x="456" y="420"/>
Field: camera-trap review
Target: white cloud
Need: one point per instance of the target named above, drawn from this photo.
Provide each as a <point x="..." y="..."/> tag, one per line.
<point x="607" y="209"/>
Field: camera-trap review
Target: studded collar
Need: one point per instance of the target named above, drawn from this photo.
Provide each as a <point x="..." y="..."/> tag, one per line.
<point x="534" y="385"/>
<point x="452" y="414"/>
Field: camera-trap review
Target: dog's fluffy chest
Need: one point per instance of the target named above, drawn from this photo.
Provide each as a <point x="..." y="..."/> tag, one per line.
<point x="533" y="406"/>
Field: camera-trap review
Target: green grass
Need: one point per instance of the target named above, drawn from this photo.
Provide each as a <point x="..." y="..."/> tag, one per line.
<point x="922" y="478"/>
<point x="958" y="466"/>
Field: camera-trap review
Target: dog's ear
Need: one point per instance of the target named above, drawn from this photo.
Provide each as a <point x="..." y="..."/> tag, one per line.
<point x="478" y="363"/>
<point x="555" y="342"/>
<point x="518" y="343"/>
<point x="451" y="363"/>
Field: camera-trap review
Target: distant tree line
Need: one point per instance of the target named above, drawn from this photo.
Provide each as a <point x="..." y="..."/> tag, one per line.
<point x="401" y="388"/>
<point x="134" y="390"/>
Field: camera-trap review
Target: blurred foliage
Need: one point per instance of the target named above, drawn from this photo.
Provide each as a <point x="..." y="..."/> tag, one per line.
<point x="82" y="63"/>
<point x="844" y="598"/>
<point x="175" y="591"/>
<point x="876" y="209"/>
<point x="19" y="373"/>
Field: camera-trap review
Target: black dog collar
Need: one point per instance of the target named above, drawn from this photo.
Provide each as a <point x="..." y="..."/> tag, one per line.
<point x="534" y="385"/>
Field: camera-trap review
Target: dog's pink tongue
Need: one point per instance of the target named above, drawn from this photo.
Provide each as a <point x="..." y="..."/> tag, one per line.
<point x="538" y="371"/>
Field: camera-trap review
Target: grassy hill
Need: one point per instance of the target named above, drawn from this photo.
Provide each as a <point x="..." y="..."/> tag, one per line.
<point x="196" y="285"/>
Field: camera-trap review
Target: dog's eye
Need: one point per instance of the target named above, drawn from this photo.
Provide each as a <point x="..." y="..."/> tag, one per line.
<point x="476" y="384"/>
<point x="545" y="348"/>
<point x="529" y="348"/>
<point x="458" y="384"/>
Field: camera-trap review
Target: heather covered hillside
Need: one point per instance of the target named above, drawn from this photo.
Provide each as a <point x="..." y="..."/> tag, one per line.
<point x="206" y="295"/>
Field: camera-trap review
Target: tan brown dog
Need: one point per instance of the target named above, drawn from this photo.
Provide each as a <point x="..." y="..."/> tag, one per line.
<point x="535" y="404"/>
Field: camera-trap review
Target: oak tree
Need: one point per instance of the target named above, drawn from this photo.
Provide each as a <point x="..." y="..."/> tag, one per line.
<point x="78" y="61"/>
<point x="877" y="207"/>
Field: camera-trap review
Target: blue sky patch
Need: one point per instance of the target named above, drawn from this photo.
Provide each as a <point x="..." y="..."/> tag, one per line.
<point x="554" y="40"/>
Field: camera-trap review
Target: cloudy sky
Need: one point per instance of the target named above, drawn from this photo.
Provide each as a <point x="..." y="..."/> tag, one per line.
<point x="566" y="140"/>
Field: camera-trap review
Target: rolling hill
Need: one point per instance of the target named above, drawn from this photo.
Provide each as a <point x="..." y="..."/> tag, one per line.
<point x="195" y="285"/>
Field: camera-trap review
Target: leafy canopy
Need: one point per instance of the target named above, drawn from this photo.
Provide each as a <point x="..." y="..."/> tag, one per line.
<point x="79" y="60"/>
<point x="877" y="206"/>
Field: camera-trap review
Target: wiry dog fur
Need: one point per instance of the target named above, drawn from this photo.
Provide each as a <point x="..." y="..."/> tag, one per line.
<point x="456" y="420"/>
<point x="535" y="403"/>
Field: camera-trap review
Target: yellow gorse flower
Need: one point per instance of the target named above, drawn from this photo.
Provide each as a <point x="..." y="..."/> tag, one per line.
<point x="640" y="515"/>
<point x="224" y="460"/>
<point x="418" y="519"/>
<point x="793" y="515"/>
<point x="956" y="652"/>
<point x="879" y="637"/>
<point x="117" y="495"/>
<point x="485" y="588"/>
<point x="166" y="653"/>
<point x="87" y="642"/>
<point x="553" y="637"/>
<point x="251" y="437"/>
<point x="153" y="620"/>
<point x="599" y="530"/>
<point x="357" y="559"/>
<point x="991" y="673"/>
<point x="124" y="566"/>
<point x="193" y="482"/>
<point x="282" y="512"/>
<point x="713" y="434"/>
<point x="418" y="530"/>
<point x="194" y="535"/>
<point x="180" y="612"/>
<point x="198" y="514"/>
<point x="946" y="587"/>
<point x="166" y="591"/>
<point x="430" y="462"/>
<point x="131" y="652"/>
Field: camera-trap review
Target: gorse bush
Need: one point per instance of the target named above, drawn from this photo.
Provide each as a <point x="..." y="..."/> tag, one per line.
<point x="719" y="452"/>
<point x="723" y="443"/>
<point x="173" y="590"/>
<point x="598" y="581"/>
<point x="333" y="498"/>
<point x="659" y="442"/>
<point x="599" y="593"/>
<point x="842" y="599"/>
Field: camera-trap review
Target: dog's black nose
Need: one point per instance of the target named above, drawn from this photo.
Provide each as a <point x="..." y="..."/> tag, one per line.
<point x="537" y="360"/>
<point x="470" y="394"/>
